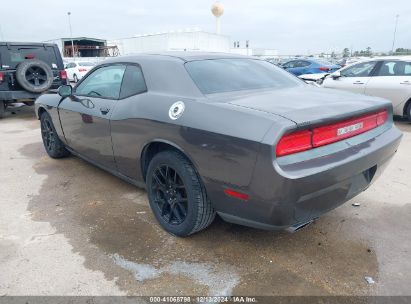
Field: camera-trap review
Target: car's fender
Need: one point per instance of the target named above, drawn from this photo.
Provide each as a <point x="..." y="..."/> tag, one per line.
<point x="49" y="102"/>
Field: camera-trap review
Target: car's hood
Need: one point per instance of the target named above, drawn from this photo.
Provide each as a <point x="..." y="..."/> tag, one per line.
<point x="306" y="105"/>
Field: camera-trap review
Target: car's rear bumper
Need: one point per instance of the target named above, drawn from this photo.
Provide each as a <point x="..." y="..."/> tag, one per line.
<point x="16" y="95"/>
<point x="289" y="193"/>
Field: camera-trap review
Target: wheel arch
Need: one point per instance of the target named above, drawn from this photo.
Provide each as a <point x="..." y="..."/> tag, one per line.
<point x="407" y="104"/>
<point x="40" y="111"/>
<point x="156" y="146"/>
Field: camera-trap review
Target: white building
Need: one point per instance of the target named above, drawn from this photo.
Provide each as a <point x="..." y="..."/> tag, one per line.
<point x="188" y="40"/>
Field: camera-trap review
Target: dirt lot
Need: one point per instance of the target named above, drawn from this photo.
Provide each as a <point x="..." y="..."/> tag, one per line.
<point x="68" y="228"/>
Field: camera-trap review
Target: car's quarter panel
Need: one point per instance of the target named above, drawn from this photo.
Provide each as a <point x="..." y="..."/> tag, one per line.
<point x="86" y="127"/>
<point x="221" y="142"/>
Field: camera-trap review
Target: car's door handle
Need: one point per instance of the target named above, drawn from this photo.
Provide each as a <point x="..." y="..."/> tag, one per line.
<point x="358" y="82"/>
<point x="104" y="111"/>
<point x="406" y="82"/>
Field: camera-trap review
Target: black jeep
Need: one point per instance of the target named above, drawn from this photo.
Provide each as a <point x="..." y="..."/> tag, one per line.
<point x="27" y="70"/>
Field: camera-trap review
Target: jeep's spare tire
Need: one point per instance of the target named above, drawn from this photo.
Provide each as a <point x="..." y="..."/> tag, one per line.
<point x="34" y="75"/>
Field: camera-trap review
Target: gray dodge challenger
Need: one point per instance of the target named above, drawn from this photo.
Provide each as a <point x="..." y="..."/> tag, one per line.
<point x="210" y="133"/>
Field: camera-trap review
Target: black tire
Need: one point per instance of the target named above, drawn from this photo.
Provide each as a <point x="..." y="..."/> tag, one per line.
<point x="409" y="112"/>
<point x="52" y="143"/>
<point x="2" y="108"/>
<point x="176" y="194"/>
<point x="75" y="78"/>
<point x="34" y="75"/>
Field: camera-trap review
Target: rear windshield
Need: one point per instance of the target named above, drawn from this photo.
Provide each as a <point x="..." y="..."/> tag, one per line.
<point x="12" y="56"/>
<point x="228" y="75"/>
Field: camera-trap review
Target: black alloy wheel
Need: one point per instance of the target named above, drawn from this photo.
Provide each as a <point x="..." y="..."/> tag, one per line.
<point x="55" y="148"/>
<point x="47" y="133"/>
<point x="177" y="195"/>
<point x="170" y="195"/>
<point x="36" y="76"/>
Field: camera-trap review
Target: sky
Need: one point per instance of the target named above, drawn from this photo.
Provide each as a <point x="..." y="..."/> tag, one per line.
<point x="290" y="26"/>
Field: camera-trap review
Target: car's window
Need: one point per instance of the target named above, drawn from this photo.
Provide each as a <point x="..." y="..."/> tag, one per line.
<point x="104" y="82"/>
<point x="395" y="68"/>
<point x="133" y="82"/>
<point x="290" y="64"/>
<point x="363" y="69"/>
<point x="15" y="54"/>
<point x="324" y="62"/>
<point x="227" y="75"/>
<point x="302" y="64"/>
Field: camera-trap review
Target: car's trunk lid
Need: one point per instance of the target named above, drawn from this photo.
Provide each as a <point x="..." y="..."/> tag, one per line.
<point x="305" y="105"/>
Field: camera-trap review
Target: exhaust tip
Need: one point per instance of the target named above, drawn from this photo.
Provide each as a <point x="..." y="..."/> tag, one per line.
<point x="298" y="227"/>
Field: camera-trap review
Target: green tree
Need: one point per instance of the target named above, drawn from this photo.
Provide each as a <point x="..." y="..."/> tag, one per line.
<point x="346" y="52"/>
<point x="368" y="52"/>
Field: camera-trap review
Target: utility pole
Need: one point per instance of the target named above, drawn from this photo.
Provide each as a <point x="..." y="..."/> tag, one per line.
<point x="71" y="36"/>
<point x="395" y="33"/>
<point x="1" y="34"/>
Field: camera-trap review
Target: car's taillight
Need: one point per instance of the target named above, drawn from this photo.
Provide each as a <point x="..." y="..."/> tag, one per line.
<point x="294" y="143"/>
<point x="82" y="70"/>
<point x="63" y="75"/>
<point x="324" y="69"/>
<point x="382" y="117"/>
<point x="308" y="139"/>
<point x="1" y="76"/>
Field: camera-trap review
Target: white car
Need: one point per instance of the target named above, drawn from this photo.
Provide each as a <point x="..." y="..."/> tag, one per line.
<point x="76" y="70"/>
<point x="389" y="78"/>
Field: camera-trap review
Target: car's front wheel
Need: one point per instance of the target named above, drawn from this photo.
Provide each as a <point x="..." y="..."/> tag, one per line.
<point x="75" y="78"/>
<point x="52" y="143"/>
<point x="409" y="112"/>
<point x="176" y="194"/>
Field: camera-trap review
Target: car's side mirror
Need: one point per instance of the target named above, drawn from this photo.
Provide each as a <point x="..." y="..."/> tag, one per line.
<point x="65" y="91"/>
<point x="336" y="75"/>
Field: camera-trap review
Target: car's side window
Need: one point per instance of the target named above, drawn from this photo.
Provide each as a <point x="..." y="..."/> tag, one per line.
<point x="303" y="64"/>
<point x="395" y="68"/>
<point x="104" y="82"/>
<point x="133" y="82"/>
<point x="289" y="65"/>
<point x="363" y="69"/>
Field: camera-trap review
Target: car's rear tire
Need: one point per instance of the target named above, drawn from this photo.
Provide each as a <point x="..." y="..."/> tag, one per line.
<point x="52" y="143"/>
<point x="176" y="194"/>
<point x="409" y="112"/>
<point x="2" y="108"/>
<point x="75" y="78"/>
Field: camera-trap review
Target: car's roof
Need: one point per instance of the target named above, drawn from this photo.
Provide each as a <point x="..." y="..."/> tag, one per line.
<point x="185" y="56"/>
<point x="402" y="58"/>
<point x="27" y="43"/>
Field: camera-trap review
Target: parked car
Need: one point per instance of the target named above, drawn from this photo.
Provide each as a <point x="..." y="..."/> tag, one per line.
<point x="389" y="78"/>
<point x="309" y="66"/>
<point x="347" y="61"/>
<point x="209" y="133"/>
<point x="77" y="70"/>
<point x="27" y="70"/>
<point x="314" y="79"/>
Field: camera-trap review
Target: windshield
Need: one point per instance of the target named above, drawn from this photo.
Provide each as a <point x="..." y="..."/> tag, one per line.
<point x="228" y="75"/>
